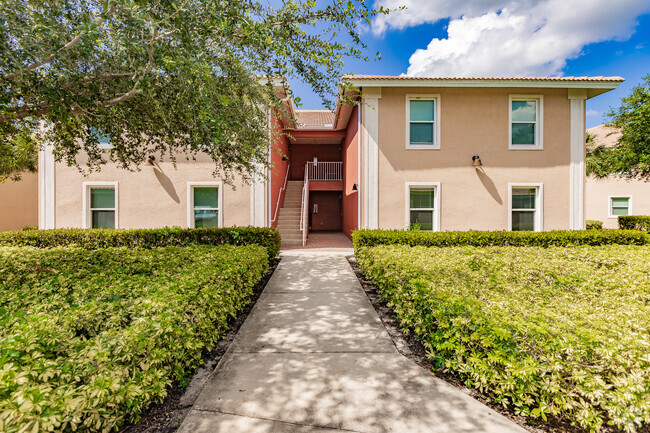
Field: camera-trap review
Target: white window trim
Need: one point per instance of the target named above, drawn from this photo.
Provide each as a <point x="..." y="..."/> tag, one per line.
<point x="539" y="131"/>
<point x="436" y="203"/>
<point x="190" y="201"/>
<point x="86" y="212"/>
<point x="539" y="203"/>
<point x="610" y="207"/>
<point x="436" y="121"/>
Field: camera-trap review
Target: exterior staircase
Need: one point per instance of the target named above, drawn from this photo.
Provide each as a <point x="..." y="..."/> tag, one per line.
<point x="289" y="216"/>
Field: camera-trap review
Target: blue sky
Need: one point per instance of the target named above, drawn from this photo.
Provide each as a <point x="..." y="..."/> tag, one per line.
<point x="510" y="38"/>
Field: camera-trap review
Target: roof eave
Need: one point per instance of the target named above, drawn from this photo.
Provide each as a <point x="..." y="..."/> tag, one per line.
<point x="594" y="87"/>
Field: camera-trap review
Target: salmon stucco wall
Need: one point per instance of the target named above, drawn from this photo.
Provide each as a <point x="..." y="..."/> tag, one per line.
<point x="598" y="192"/>
<point x="302" y="153"/>
<point x="151" y="197"/>
<point x="351" y="174"/>
<point x="474" y="121"/>
<point x="19" y="202"/>
<point x="278" y="169"/>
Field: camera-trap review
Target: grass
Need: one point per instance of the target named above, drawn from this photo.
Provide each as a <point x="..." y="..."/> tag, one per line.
<point x="561" y="332"/>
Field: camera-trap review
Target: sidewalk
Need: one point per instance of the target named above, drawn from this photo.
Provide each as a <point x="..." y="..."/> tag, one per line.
<point x="313" y="356"/>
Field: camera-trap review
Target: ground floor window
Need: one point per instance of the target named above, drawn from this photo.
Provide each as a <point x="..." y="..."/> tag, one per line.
<point x="619" y="206"/>
<point x="422" y="206"/>
<point x="525" y="207"/>
<point x="204" y="205"/>
<point x="100" y="205"/>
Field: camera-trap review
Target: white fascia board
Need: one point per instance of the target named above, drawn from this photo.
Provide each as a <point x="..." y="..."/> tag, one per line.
<point x="486" y="83"/>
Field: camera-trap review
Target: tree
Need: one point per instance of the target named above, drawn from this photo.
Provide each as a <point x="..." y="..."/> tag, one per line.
<point x="630" y="158"/>
<point x="175" y="77"/>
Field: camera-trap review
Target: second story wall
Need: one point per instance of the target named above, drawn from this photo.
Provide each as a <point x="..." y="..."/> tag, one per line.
<point x="473" y="121"/>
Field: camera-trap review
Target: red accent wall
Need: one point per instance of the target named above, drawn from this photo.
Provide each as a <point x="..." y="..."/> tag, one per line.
<point x="301" y="153"/>
<point x="328" y="217"/>
<point x="279" y="147"/>
<point x="351" y="174"/>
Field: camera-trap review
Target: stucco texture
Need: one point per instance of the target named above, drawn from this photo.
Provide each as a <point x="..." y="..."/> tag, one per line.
<point x="598" y="192"/>
<point x="19" y="203"/>
<point x="474" y="121"/>
<point x="151" y="197"/>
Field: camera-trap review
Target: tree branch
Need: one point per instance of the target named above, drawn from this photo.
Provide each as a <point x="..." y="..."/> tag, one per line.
<point x="66" y="47"/>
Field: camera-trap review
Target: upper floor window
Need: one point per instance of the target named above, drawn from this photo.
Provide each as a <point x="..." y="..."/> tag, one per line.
<point x="100" y="205"/>
<point x="619" y="206"/>
<point x="204" y="205"/>
<point x="525" y="130"/>
<point x="423" y="122"/>
<point x="103" y="140"/>
<point x="526" y="207"/>
<point x="422" y="206"/>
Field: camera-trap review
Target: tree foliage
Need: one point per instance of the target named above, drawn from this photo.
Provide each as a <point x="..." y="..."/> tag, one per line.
<point x="630" y="158"/>
<point x="167" y="76"/>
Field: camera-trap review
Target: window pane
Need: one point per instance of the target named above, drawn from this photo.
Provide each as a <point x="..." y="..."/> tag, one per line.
<point x="523" y="198"/>
<point x="206" y="218"/>
<point x="102" y="198"/>
<point x="523" y="133"/>
<point x="422" y="133"/>
<point x="422" y="198"/>
<point x="103" y="219"/>
<point x="206" y="197"/>
<point x="422" y="217"/>
<point x="422" y="111"/>
<point x="524" y="111"/>
<point x="620" y="202"/>
<point x="523" y="220"/>
<point x="619" y="211"/>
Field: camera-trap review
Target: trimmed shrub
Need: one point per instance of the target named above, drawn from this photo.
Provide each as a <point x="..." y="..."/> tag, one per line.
<point x="145" y="238"/>
<point x="544" y="331"/>
<point x="370" y="238"/>
<point x="594" y="225"/>
<point x="90" y="338"/>
<point x="634" y="222"/>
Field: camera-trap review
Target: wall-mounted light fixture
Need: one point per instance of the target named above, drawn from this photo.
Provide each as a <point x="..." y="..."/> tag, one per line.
<point x="315" y="161"/>
<point x="149" y="161"/>
<point x="354" y="187"/>
<point x="476" y="161"/>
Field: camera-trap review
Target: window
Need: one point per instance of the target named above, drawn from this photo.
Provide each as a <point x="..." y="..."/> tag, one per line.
<point x="100" y="205"/>
<point x="103" y="141"/>
<point x="423" y="124"/>
<point x="204" y="204"/>
<point x="525" y="122"/>
<point x="525" y="207"/>
<point x="423" y="201"/>
<point x="619" y="206"/>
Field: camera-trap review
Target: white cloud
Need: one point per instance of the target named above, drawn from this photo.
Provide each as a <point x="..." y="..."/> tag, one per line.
<point x="508" y="38"/>
<point x="592" y="113"/>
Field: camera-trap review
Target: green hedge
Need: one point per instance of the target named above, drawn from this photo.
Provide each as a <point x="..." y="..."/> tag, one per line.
<point x="145" y="238"/>
<point x="594" y="225"/>
<point x="561" y="331"/>
<point x="90" y="338"/>
<point x="369" y="238"/>
<point x="634" y="222"/>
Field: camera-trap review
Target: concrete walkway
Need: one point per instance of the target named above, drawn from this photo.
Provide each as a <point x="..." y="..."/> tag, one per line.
<point x="313" y="356"/>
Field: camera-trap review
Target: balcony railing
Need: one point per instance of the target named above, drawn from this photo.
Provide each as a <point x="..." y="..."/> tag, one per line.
<point x="324" y="171"/>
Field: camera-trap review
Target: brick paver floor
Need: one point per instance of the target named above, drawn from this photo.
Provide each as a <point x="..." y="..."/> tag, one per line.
<point x="323" y="240"/>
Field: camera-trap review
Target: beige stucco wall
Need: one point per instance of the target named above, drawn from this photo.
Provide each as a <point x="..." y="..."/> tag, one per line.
<point x="19" y="203"/>
<point x="598" y="192"/>
<point x="474" y="121"/>
<point x="151" y="197"/>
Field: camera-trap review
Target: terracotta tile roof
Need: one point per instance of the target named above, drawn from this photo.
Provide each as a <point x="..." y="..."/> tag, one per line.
<point x="405" y="78"/>
<point x="605" y="135"/>
<point x="315" y="118"/>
